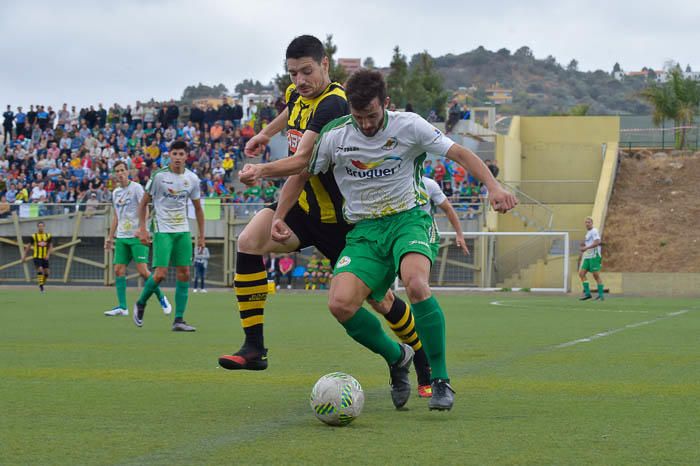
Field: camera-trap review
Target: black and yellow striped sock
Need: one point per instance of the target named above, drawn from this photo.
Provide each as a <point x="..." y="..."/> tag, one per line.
<point x="40" y="278"/>
<point x="401" y="322"/>
<point x="250" y="284"/>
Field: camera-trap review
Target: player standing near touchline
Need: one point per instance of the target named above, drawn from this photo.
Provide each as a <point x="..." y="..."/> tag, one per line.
<point x="127" y="247"/>
<point x="170" y="188"/>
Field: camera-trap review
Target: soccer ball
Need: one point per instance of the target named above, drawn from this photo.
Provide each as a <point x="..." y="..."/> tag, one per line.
<point x="337" y="399"/>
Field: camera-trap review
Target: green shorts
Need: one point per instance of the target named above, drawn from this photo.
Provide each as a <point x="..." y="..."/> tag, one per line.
<point x="375" y="247"/>
<point x="172" y="249"/>
<point x="591" y="264"/>
<point x="435" y="240"/>
<point x="128" y="249"/>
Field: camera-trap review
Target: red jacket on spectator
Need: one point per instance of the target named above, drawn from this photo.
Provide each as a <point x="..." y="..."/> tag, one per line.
<point x="439" y="171"/>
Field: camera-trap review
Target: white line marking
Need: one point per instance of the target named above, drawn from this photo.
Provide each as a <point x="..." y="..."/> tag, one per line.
<point x="501" y="304"/>
<point x="617" y="330"/>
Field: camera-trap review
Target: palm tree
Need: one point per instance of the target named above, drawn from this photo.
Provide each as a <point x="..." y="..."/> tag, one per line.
<point x="677" y="99"/>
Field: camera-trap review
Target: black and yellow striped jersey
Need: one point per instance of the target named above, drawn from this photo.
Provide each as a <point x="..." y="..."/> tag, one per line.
<point x="40" y="244"/>
<point x="321" y="197"/>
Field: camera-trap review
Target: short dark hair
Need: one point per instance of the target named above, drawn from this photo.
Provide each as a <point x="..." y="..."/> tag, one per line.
<point x="120" y="162"/>
<point x="179" y="144"/>
<point x="363" y="86"/>
<point x="306" y="46"/>
<point x="40" y="223"/>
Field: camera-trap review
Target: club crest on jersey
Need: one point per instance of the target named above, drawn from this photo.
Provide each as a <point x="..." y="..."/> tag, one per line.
<point x="345" y="260"/>
<point x="390" y="143"/>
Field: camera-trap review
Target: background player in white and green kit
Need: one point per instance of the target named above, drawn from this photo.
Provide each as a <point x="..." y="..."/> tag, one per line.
<point x="438" y="199"/>
<point x="170" y="189"/>
<point x="377" y="158"/>
<point x="127" y="247"/>
<point x="590" y="261"/>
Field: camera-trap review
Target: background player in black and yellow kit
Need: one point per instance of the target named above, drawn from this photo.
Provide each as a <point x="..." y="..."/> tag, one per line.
<point x="315" y="218"/>
<point x="40" y="242"/>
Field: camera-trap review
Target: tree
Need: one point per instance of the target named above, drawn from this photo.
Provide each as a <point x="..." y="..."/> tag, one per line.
<point x="572" y="66"/>
<point x="617" y="69"/>
<point x="524" y="52"/>
<point x="678" y="99"/>
<point x="504" y="52"/>
<point x="424" y="87"/>
<point x="579" y="110"/>
<point x="396" y="81"/>
<point x="248" y="86"/>
<point x="203" y="91"/>
<point x="368" y="63"/>
<point x="336" y="72"/>
<point x="688" y="69"/>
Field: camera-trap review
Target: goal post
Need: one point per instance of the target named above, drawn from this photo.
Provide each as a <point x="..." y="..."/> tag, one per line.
<point x="517" y="261"/>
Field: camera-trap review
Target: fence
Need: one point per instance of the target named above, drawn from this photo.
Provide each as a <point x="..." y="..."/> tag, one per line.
<point x="672" y="137"/>
<point x="79" y="231"/>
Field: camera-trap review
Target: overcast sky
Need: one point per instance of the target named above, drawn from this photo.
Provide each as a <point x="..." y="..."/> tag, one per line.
<point x="84" y="52"/>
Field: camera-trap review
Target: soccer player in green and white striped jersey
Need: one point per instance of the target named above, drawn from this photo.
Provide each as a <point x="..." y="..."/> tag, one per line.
<point x="170" y="189"/>
<point x="127" y="247"/>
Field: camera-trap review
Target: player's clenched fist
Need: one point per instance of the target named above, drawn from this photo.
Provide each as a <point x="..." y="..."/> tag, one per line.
<point x="249" y="174"/>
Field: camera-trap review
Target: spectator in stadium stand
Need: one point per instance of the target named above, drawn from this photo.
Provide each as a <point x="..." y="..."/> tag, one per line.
<point x="251" y="111"/>
<point x="8" y="118"/>
<point x="101" y="116"/>
<point x="64" y="118"/>
<point x="211" y="115"/>
<point x="453" y="116"/>
<point x="225" y="110"/>
<point x="20" y="122"/>
<point x="439" y="172"/>
<point x="428" y="169"/>
<point x="237" y="114"/>
<point x="267" y="112"/>
<point x="4" y="207"/>
<point x="31" y="116"/>
<point x="172" y="113"/>
<point x="493" y="166"/>
<point x="458" y="175"/>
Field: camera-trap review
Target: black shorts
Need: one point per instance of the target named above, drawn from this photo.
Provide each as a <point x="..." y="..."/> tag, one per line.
<point x="43" y="263"/>
<point x="329" y="238"/>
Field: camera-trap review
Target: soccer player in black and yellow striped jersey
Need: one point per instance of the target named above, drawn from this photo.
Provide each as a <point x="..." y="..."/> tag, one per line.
<point x="41" y="244"/>
<point x="313" y="219"/>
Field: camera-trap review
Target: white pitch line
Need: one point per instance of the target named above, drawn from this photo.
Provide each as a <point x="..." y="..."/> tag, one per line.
<point x="620" y="329"/>
<point x="499" y="303"/>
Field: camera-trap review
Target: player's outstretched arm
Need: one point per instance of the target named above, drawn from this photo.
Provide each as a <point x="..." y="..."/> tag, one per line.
<point x="500" y="199"/>
<point x="252" y="173"/>
<point x="446" y="207"/>
<point x="199" y="214"/>
<point x="289" y="194"/>
<point x="255" y="144"/>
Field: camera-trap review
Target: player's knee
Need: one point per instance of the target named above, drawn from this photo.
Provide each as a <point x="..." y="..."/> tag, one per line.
<point x="417" y="287"/>
<point x="183" y="274"/>
<point x="341" y="306"/>
<point x="159" y="274"/>
<point x="250" y="242"/>
<point x="120" y="270"/>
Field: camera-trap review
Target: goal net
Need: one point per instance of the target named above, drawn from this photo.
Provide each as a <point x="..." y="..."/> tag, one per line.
<point x="535" y="261"/>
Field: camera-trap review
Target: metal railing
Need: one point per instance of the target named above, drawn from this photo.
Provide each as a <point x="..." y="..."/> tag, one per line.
<point x="558" y="191"/>
<point x="531" y="211"/>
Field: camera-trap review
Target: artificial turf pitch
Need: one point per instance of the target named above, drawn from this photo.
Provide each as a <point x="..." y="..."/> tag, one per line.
<point x="539" y="380"/>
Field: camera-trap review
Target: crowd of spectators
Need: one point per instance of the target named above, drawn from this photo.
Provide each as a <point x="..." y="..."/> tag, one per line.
<point x="66" y="156"/>
<point x="460" y="187"/>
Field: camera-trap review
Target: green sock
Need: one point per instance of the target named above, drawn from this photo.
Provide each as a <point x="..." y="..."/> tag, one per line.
<point x="586" y="288"/>
<point x="430" y="323"/>
<point x="148" y="289"/>
<point x="181" y="289"/>
<point x="158" y="293"/>
<point x="366" y="329"/>
<point x="600" y="290"/>
<point x="120" y="284"/>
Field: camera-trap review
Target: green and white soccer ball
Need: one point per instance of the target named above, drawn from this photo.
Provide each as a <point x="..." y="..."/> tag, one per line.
<point x="337" y="399"/>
